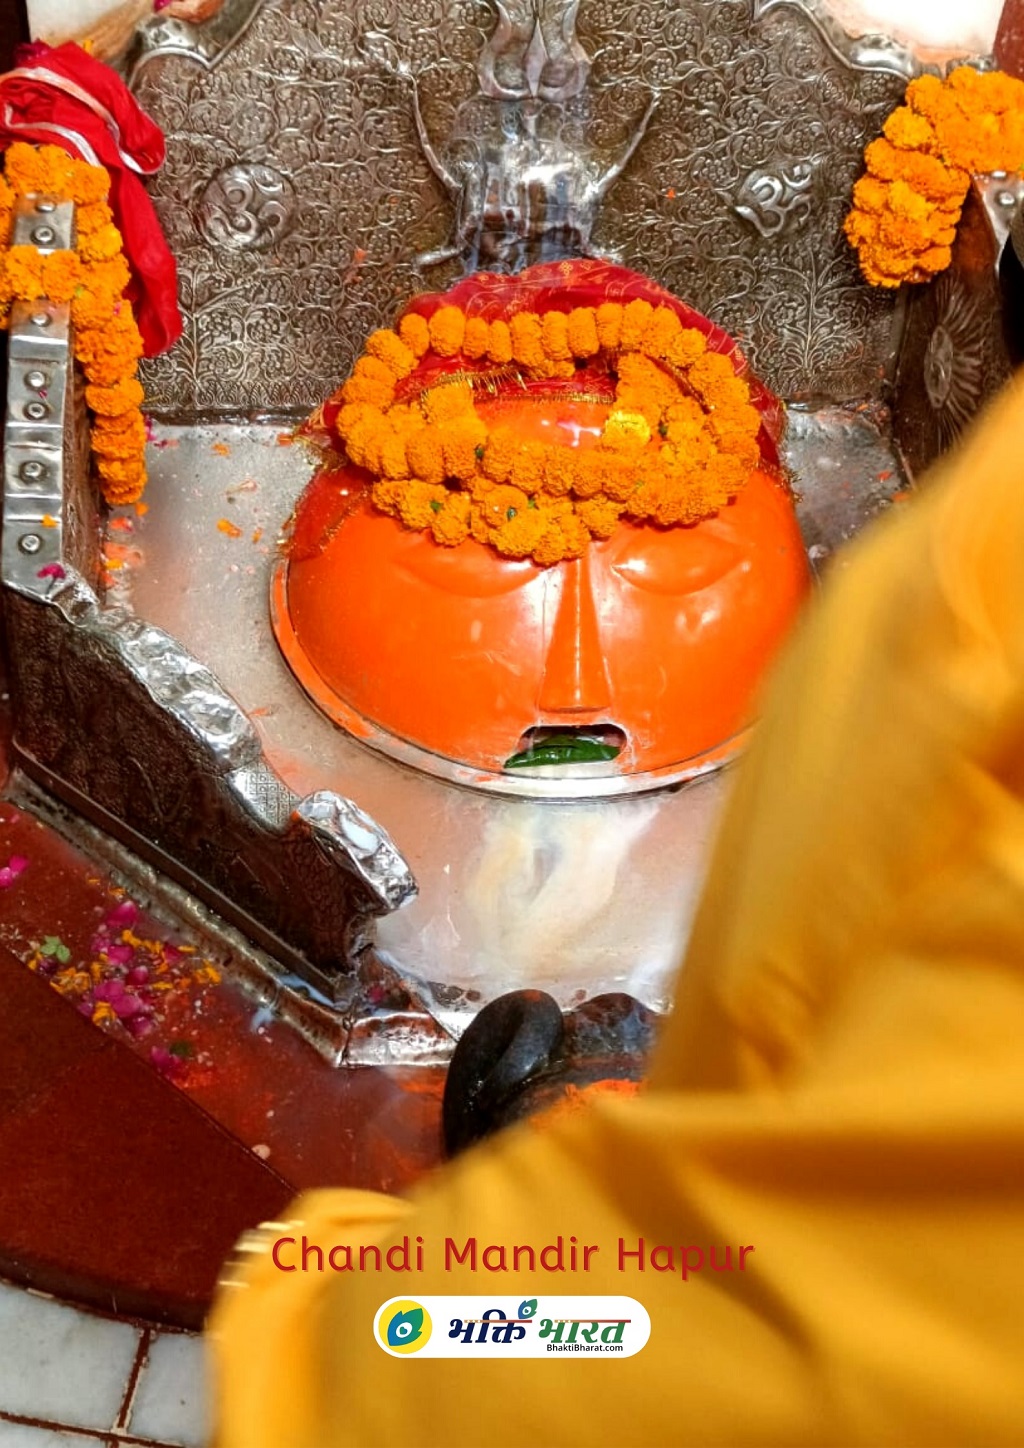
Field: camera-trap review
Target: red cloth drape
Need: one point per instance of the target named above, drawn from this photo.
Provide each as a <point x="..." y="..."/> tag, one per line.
<point x="63" y="97"/>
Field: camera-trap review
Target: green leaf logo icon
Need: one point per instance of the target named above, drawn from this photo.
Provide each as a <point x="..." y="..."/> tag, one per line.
<point x="405" y="1327"/>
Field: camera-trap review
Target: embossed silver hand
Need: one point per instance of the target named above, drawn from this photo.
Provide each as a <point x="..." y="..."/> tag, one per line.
<point x="600" y="188"/>
<point x="377" y="47"/>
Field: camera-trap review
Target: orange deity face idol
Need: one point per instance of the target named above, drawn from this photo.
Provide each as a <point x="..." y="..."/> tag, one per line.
<point x="530" y="600"/>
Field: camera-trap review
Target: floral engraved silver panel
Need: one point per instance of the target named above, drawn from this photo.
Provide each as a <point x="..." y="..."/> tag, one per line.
<point x="246" y="206"/>
<point x="324" y="94"/>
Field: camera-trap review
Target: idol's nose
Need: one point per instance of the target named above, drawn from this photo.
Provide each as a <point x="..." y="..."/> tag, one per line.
<point x="575" y="678"/>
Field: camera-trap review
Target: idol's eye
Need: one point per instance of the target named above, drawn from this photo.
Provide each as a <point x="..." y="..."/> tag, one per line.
<point x="470" y="570"/>
<point x="676" y="561"/>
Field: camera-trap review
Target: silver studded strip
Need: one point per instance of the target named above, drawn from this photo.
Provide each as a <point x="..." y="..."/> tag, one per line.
<point x="37" y="390"/>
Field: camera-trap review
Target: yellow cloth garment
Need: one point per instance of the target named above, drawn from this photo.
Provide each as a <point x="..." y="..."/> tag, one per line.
<point x="841" y="1084"/>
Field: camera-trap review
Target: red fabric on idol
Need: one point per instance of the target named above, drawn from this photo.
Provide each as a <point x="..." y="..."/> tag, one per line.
<point x="561" y="286"/>
<point x="63" y="97"/>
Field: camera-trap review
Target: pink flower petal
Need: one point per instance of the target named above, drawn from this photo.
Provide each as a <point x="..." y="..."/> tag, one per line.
<point x="167" y="1064"/>
<point x="123" y="915"/>
<point x="10" y="872"/>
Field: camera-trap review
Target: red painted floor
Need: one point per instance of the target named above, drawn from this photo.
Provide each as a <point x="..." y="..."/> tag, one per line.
<point x="148" y="1113"/>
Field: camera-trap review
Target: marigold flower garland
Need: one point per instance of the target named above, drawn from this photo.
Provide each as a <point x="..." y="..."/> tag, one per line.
<point x="678" y="444"/>
<point x="92" y="278"/>
<point x="907" y="206"/>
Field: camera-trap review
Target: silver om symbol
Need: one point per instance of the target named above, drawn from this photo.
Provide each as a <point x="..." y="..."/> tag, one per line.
<point x="775" y="202"/>
<point x="246" y="206"/>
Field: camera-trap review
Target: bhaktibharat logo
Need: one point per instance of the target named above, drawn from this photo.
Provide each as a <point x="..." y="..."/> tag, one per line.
<point x="477" y="1327"/>
<point x="402" y="1326"/>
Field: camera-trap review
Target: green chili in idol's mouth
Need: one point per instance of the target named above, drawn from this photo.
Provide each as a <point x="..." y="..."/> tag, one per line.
<point x="564" y="749"/>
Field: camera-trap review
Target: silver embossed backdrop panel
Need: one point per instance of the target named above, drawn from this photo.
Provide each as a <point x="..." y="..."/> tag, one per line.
<point x="297" y="195"/>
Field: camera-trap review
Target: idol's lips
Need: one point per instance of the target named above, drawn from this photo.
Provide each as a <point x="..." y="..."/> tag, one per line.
<point x="554" y="745"/>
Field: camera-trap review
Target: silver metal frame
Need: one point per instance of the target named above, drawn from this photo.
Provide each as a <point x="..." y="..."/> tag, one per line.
<point x="305" y="878"/>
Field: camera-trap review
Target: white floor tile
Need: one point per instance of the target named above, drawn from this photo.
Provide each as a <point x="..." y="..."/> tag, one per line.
<point x="59" y="1364"/>
<point x="170" y="1401"/>
<point x="17" y="1435"/>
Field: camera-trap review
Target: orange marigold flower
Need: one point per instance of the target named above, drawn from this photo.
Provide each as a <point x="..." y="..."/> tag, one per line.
<point x="62" y="271"/>
<point x="120" y="495"/>
<point x="870" y="194"/>
<point x="447" y="329"/>
<point x="6" y="196"/>
<point x="88" y="184"/>
<point x="520" y="535"/>
<point x="555" y="336"/>
<point x="501" y="504"/>
<point x="450" y="524"/>
<point x="92" y="308"/>
<point x="616" y="476"/>
<point x="112" y="275"/>
<point x="970" y="122"/>
<point x="117" y="470"/>
<point x="745" y="448"/>
<point x="583" y="338"/>
<point x="575" y="535"/>
<point x="387" y="494"/>
<point x="908" y="130"/>
<point x="425" y="451"/>
<point x="636" y="318"/>
<point x="935" y="259"/>
<point x="370" y="390"/>
<point x="609" y="325"/>
<point x="527" y="340"/>
<point x="551" y="547"/>
<point x="31" y="170"/>
<point x="24" y="267"/>
<point x="476" y="340"/>
<point x="686" y="347"/>
<point x="100" y="245"/>
<point x="709" y="373"/>
<point x="600" y="516"/>
<point x="420" y="502"/>
<point x="415" y="333"/>
<point x="92" y="218"/>
<point x="393" y="460"/>
<point x="115" y="401"/>
<point x="499" y="347"/>
<point x="590" y="473"/>
<point x="463" y="446"/>
<point x="389" y="349"/>
<point x="364" y="440"/>
<point x="124" y="444"/>
<point x="661" y="333"/>
<point x="560" y="468"/>
<point x="123" y="423"/>
<point x="499" y="454"/>
<point x="448" y="401"/>
<point x="626" y="432"/>
<point x="374" y="370"/>
<point x="353" y="414"/>
<point x="528" y="467"/>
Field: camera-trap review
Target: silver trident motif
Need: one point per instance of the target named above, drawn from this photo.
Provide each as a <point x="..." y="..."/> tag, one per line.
<point x="524" y="184"/>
